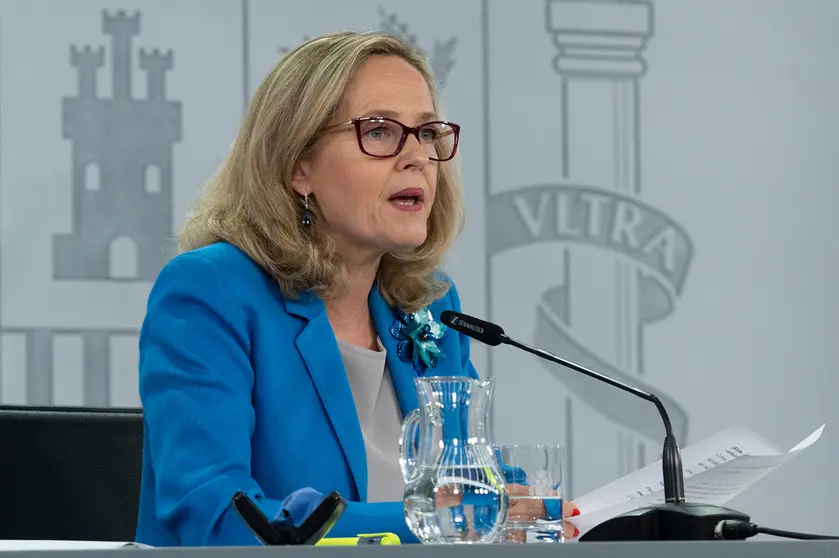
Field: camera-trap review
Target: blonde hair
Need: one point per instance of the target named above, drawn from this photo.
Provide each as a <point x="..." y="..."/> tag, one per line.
<point x="250" y="202"/>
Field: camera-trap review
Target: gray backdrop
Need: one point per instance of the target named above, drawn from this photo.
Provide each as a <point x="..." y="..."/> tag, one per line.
<point x="651" y="190"/>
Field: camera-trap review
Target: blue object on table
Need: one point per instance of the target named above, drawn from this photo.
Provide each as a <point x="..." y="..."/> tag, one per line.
<point x="296" y="507"/>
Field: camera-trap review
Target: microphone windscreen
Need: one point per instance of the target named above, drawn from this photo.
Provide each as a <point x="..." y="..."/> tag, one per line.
<point x="483" y="331"/>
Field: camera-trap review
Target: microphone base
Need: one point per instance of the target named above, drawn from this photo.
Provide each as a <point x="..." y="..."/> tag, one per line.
<point x="664" y="522"/>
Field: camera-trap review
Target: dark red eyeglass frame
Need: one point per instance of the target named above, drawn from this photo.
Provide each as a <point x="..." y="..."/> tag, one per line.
<point x="406" y="130"/>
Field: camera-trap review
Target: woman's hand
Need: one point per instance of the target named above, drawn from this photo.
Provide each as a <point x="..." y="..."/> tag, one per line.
<point x="527" y="509"/>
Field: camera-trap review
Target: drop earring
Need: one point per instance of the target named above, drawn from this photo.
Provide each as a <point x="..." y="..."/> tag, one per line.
<point x="306" y="218"/>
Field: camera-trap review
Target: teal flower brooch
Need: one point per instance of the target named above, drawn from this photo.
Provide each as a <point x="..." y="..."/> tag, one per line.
<point x="417" y="335"/>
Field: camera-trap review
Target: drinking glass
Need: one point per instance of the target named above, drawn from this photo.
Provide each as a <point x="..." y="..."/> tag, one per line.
<point x="534" y="484"/>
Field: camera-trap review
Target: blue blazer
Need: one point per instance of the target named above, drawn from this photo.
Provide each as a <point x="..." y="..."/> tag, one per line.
<point x="244" y="389"/>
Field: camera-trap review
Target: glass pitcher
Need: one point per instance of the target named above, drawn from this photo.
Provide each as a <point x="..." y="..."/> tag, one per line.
<point x="454" y="489"/>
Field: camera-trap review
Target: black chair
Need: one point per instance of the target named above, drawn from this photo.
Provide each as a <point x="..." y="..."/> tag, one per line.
<point x="70" y="473"/>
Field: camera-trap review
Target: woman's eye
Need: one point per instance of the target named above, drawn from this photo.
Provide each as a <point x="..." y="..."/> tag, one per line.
<point x="378" y="132"/>
<point x="428" y="134"/>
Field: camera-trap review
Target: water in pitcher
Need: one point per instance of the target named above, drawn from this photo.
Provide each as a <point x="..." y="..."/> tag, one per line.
<point x="461" y="505"/>
<point x="455" y="491"/>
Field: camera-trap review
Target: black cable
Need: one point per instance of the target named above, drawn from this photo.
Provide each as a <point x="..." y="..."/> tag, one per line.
<point x="734" y="530"/>
<point x="793" y="534"/>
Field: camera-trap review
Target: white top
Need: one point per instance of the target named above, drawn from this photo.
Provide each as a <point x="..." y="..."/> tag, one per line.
<point x="380" y="418"/>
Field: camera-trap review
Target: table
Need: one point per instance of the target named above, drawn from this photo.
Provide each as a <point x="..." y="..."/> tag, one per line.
<point x="700" y="549"/>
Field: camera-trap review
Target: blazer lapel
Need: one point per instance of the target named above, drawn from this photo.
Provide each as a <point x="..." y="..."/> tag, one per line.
<point x="402" y="373"/>
<point x="319" y="349"/>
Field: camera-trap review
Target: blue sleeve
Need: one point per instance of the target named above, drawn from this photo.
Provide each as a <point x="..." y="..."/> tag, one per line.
<point x="196" y="385"/>
<point x="465" y="342"/>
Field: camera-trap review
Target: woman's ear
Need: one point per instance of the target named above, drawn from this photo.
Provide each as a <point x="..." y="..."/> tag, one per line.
<point x="300" y="178"/>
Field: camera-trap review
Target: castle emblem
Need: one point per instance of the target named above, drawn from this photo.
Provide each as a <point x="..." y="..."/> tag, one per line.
<point x="121" y="179"/>
<point x="122" y="163"/>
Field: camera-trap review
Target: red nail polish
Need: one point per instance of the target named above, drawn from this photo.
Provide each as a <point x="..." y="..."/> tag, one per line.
<point x="576" y="533"/>
<point x="575" y="512"/>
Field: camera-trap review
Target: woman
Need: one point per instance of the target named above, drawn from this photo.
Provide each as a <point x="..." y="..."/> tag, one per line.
<point x="270" y="354"/>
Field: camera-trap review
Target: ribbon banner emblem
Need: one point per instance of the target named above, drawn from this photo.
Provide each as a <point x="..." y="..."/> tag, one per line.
<point x="580" y="217"/>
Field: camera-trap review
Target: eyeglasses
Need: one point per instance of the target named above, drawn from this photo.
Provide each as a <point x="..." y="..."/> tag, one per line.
<point x="384" y="137"/>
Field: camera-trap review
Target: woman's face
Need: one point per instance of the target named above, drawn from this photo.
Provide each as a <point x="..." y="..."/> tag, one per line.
<point x="371" y="206"/>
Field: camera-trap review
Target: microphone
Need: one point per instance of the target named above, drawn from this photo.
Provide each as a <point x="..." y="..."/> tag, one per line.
<point x="675" y="519"/>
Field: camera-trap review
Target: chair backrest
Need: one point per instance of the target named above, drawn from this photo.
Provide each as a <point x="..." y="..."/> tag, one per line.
<point x="70" y="473"/>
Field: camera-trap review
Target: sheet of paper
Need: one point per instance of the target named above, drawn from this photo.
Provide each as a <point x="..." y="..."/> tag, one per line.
<point x="716" y="470"/>
<point x="27" y="545"/>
